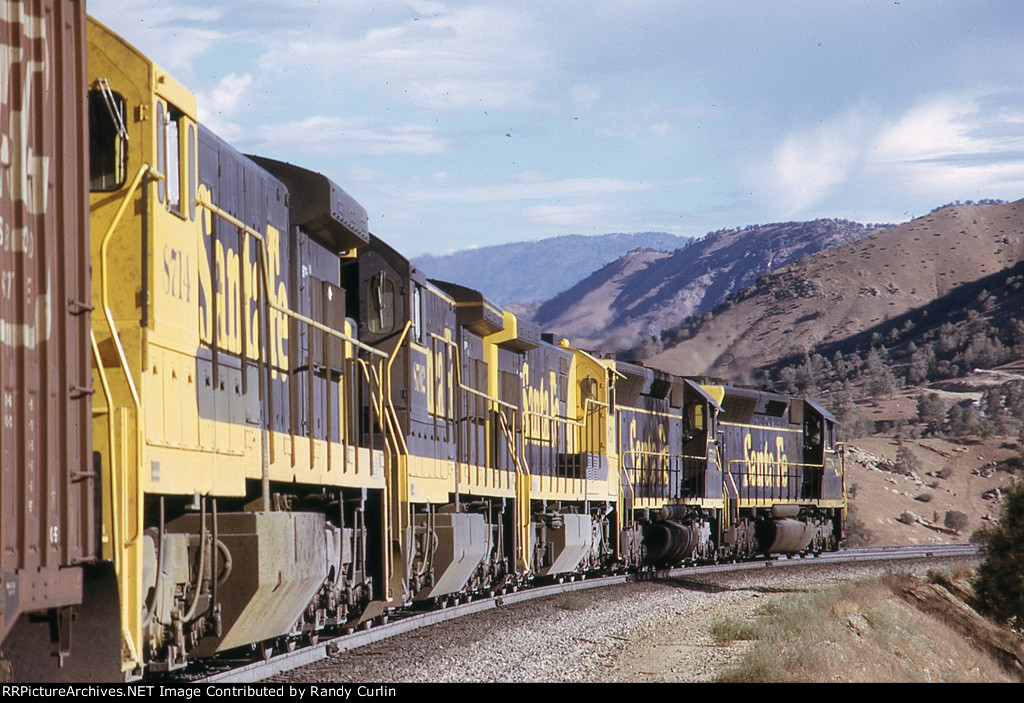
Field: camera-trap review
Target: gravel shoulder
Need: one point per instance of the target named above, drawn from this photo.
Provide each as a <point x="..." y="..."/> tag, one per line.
<point x="652" y="631"/>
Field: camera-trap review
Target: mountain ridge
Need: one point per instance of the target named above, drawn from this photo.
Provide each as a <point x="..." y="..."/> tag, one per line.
<point x="522" y="272"/>
<point x="641" y="294"/>
<point x="844" y="291"/>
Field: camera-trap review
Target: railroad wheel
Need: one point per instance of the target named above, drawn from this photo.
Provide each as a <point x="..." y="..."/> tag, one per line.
<point x="263" y="651"/>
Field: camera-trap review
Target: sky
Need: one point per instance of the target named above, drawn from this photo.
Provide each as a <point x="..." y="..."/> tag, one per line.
<point x="465" y="124"/>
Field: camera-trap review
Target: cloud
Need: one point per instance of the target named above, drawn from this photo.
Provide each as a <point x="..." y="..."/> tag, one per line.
<point x="946" y="146"/>
<point x="949" y="143"/>
<point x="807" y="166"/>
<point x="447" y="59"/>
<point x="338" y="136"/>
<point x="175" y="33"/>
<point x="226" y="95"/>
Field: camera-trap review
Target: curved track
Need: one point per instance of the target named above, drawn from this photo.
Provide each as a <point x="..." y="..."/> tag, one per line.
<point x="241" y="671"/>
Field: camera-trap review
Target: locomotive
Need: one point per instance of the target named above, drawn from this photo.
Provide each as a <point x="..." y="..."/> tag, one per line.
<point x="289" y="428"/>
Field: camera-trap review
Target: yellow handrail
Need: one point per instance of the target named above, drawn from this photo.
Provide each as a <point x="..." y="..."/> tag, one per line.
<point x="265" y="275"/>
<point x="115" y="483"/>
<point x="119" y="478"/>
<point x="522" y="492"/>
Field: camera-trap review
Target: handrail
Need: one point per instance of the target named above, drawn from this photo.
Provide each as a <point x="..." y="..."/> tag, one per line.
<point x="119" y="479"/>
<point x="115" y="484"/>
<point x="386" y="397"/>
<point x="776" y="463"/>
<point x="597" y="405"/>
<point x="104" y="291"/>
<point x="372" y="381"/>
<point x="458" y="372"/>
<point x="522" y="493"/>
<point x="265" y="275"/>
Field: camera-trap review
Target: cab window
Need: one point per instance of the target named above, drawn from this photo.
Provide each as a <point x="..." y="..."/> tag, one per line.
<point x="380" y="295"/>
<point x="108" y="139"/>
<point x="170" y="133"/>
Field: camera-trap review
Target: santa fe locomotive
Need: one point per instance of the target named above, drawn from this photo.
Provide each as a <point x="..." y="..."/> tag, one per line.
<point x="233" y="417"/>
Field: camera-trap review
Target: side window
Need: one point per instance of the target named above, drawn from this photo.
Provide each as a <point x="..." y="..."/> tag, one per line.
<point x="161" y="152"/>
<point x="417" y="313"/>
<point x="191" y="172"/>
<point x="380" y="296"/>
<point x="588" y="390"/>
<point x="108" y="139"/>
<point x="693" y="420"/>
<point x="173" y="161"/>
<point x="168" y="155"/>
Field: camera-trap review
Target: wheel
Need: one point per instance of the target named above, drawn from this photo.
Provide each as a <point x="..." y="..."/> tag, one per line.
<point x="263" y="651"/>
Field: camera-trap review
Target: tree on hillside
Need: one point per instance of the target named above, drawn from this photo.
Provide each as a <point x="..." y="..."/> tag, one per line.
<point x="999" y="585"/>
<point x="932" y="412"/>
<point x="906" y="461"/>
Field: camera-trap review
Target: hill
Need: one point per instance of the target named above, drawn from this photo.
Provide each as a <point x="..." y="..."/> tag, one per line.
<point x="918" y="273"/>
<point x="643" y="293"/>
<point x="524" y="272"/>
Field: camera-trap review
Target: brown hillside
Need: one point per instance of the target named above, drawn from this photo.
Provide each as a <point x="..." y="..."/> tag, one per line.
<point x="643" y="293"/>
<point x="839" y="292"/>
<point x="591" y="315"/>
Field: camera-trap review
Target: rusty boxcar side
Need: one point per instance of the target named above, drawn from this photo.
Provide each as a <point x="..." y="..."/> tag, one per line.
<point x="47" y="490"/>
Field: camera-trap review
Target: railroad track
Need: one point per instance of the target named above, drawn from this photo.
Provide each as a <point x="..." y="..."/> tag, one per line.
<point x="246" y="671"/>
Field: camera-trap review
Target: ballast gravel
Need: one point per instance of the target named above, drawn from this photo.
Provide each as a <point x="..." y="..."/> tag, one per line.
<point x="640" y="632"/>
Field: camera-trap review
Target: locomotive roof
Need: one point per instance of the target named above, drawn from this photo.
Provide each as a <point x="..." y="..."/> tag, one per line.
<point x="320" y="206"/>
<point x="818" y="407"/>
<point x="699" y="390"/>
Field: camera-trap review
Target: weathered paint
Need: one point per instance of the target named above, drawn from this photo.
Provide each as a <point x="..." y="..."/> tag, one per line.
<point x="46" y="486"/>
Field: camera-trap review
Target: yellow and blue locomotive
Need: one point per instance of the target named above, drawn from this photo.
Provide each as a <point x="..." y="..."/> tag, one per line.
<point x="295" y="431"/>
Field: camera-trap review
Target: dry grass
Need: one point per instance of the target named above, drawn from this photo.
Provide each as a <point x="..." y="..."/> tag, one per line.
<point x="857" y="632"/>
<point x="573" y="601"/>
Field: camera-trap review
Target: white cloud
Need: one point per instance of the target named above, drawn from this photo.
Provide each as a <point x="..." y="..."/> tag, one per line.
<point x="945" y="147"/>
<point x="661" y="130"/>
<point x="938" y="129"/>
<point x="807" y="166"/>
<point x="174" y="34"/>
<point x="950" y="146"/>
<point x="450" y="58"/>
<point x="337" y="136"/>
<point x="225" y="97"/>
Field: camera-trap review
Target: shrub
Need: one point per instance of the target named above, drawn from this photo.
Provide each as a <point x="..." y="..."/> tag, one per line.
<point x="956" y="521"/>
<point x="727" y="630"/>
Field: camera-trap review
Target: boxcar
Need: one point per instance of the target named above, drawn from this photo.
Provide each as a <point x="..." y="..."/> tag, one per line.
<point x="47" y="486"/>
